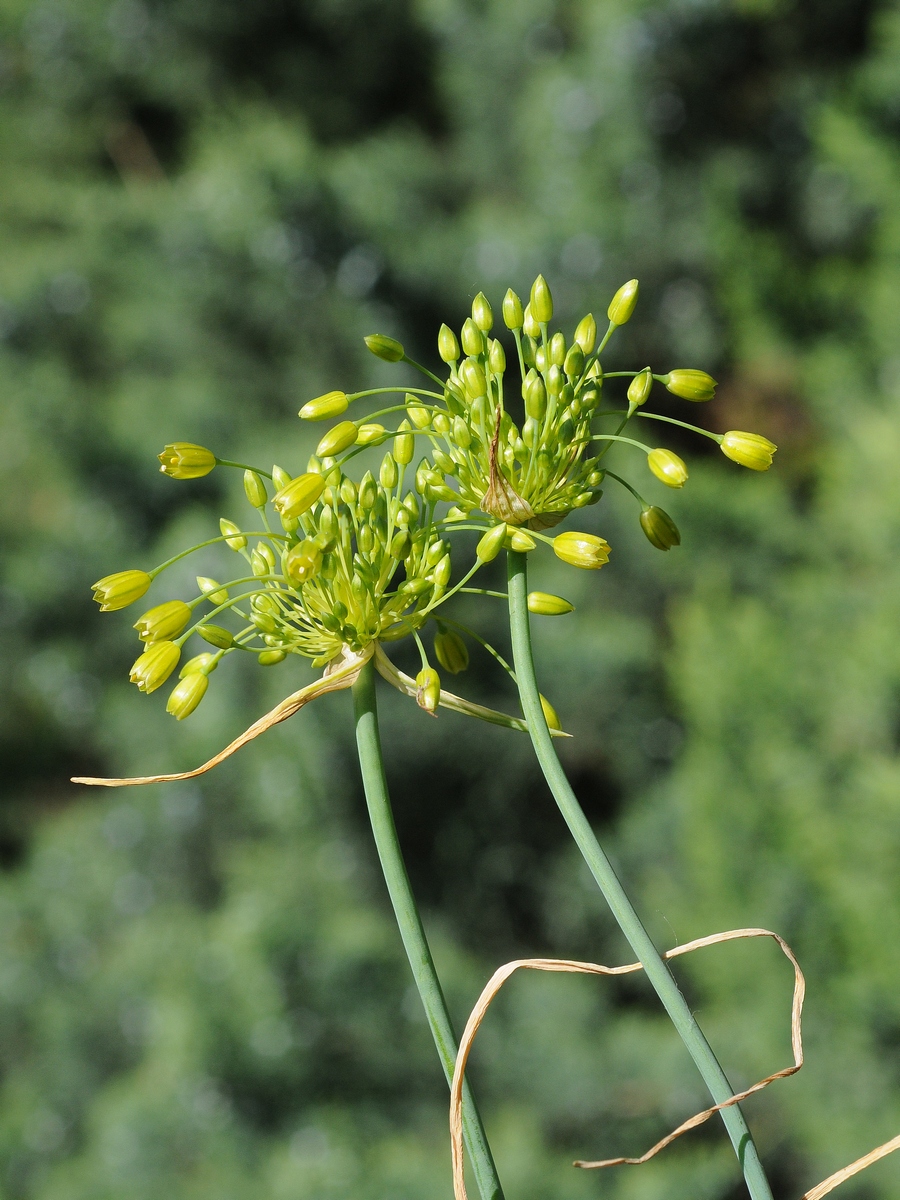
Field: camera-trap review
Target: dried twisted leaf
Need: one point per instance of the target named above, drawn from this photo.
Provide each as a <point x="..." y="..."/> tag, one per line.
<point x="341" y="672"/>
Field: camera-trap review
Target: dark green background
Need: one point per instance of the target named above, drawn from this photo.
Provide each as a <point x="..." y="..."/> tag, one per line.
<point x="205" y="204"/>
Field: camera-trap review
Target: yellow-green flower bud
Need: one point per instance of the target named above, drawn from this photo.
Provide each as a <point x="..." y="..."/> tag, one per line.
<point x="416" y="411"/>
<point x="255" y="489"/>
<point x="370" y="435"/>
<point x="623" y="302"/>
<point x="535" y="395"/>
<point x="584" y="550"/>
<point x="368" y="491"/>
<point x="400" y="544"/>
<point x="550" y="716"/>
<point x="280" y="477"/>
<point x="546" y="605"/>
<point x="337" y="439"/>
<point x="404" y="444"/>
<point x="385" y="347"/>
<point x="450" y="651"/>
<point x="268" y="658"/>
<point x="668" y="468"/>
<point x="659" y="527"/>
<point x="491" y="543"/>
<point x="462" y="435"/>
<point x="555" y="380"/>
<point x="428" y="689"/>
<point x="303" y="561"/>
<point x="234" y="539"/>
<point x="184" y="460"/>
<point x="117" y="591"/>
<point x="690" y="384"/>
<point x="521" y="541"/>
<point x="331" y="404"/>
<point x="482" y="313"/>
<point x="586" y="333"/>
<point x="513" y="317"/>
<point x="558" y="349"/>
<point x="162" y="623"/>
<point x="448" y="346"/>
<point x="435" y="552"/>
<point x="154" y="666"/>
<point x="749" y="449"/>
<point x="530" y="324"/>
<point x="639" y="389"/>
<point x="299" y="495"/>
<point x="541" y="302"/>
<point x="211" y="590"/>
<point x="497" y="357"/>
<point x="221" y="638"/>
<point x="388" y="473"/>
<point x="206" y="662"/>
<point x="473" y="379"/>
<point x="442" y="572"/>
<point x="574" y="362"/>
<point x="187" y="694"/>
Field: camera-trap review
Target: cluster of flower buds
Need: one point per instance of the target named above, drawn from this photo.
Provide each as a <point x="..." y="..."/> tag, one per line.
<point x="354" y="564"/>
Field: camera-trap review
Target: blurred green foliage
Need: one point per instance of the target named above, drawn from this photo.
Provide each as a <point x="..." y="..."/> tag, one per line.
<point x="204" y="206"/>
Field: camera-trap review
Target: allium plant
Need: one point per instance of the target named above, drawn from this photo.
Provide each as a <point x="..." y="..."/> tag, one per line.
<point x="336" y="570"/>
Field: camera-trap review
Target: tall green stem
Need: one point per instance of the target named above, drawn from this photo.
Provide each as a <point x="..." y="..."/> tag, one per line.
<point x="601" y="868"/>
<point x="414" y="941"/>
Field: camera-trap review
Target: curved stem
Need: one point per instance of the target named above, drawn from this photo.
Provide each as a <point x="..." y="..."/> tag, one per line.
<point x="657" y="972"/>
<point x="411" y="931"/>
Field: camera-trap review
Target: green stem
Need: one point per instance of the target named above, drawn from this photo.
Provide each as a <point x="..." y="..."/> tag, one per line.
<point x="410" y="923"/>
<point x="601" y="868"/>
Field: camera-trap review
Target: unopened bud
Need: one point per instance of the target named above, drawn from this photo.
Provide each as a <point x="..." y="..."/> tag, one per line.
<point x="448" y="346"/>
<point x="472" y="374"/>
<point x="428" y="690"/>
<point x="116" y="591"/>
<point x="404" y="444"/>
<point x="462" y="435"/>
<point x="541" y="302"/>
<point x="255" y="489"/>
<point x="639" y="389"/>
<point x="221" y="638"/>
<point x="623" y="302"/>
<point x="497" y="358"/>
<point x="659" y="527"/>
<point x="553" y="721"/>
<point x="520" y="541"/>
<point x="535" y="396"/>
<point x="234" y="539"/>
<point x="214" y="593"/>
<point x="162" y="623"/>
<point x="491" y="543"/>
<point x="370" y="434"/>
<point x="690" y="384"/>
<point x="482" y="313"/>
<point x="442" y="572"/>
<point x="206" y="662"/>
<point x="546" y="605"/>
<point x="512" y="310"/>
<point x="337" y="439"/>
<point x="450" y="651"/>
<point x="299" y="495"/>
<point x="184" y="460"/>
<point x="749" y="449"/>
<point x="268" y="658"/>
<point x="668" y="468"/>
<point x="331" y="404"/>
<point x="384" y="347"/>
<point x="574" y="363"/>
<point x="417" y="412"/>
<point x="388" y="473"/>
<point x="280" y="477"/>
<point x="400" y="544"/>
<point x="368" y="491"/>
<point x="586" y="333"/>
<point x="558" y="348"/>
<point x="154" y="666"/>
<point x="584" y="550"/>
<point x="530" y="324"/>
<point x="187" y="694"/>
